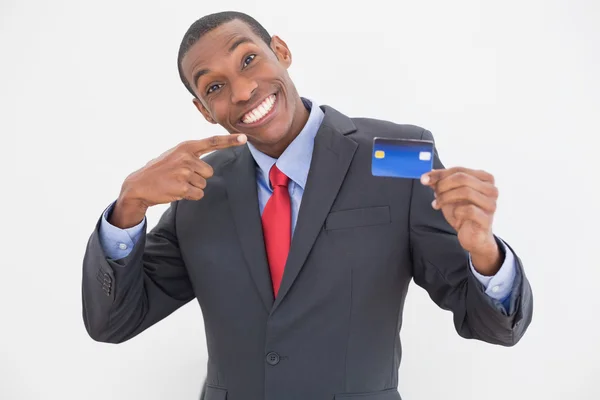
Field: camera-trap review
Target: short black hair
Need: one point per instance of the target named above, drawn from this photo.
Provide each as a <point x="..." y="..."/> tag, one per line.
<point x="207" y="24"/>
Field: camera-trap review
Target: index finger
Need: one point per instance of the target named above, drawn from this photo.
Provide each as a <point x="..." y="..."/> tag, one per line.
<point x="199" y="147"/>
<point x="433" y="177"/>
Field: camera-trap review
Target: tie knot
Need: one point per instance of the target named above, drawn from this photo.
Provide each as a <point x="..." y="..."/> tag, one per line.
<point x="277" y="177"/>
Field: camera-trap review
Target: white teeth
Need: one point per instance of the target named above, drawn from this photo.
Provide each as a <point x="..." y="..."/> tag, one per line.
<point x="260" y="111"/>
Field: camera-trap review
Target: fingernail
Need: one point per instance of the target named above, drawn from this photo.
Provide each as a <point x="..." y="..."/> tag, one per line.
<point x="425" y="179"/>
<point x="241" y="138"/>
<point x="434" y="204"/>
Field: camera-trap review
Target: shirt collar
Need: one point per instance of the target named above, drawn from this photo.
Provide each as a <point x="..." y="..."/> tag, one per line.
<point x="295" y="160"/>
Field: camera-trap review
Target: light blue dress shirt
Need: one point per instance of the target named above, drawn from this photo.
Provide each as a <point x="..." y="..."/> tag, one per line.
<point x="295" y="163"/>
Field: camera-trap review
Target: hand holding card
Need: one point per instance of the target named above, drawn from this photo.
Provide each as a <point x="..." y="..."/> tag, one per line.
<point x="467" y="198"/>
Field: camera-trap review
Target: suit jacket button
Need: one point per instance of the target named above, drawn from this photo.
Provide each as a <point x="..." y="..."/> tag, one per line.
<point x="273" y="358"/>
<point x="106" y="288"/>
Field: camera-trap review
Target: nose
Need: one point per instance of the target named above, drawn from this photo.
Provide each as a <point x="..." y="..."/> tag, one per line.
<point x="242" y="89"/>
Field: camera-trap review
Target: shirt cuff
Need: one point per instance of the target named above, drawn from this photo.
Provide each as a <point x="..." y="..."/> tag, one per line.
<point x="499" y="286"/>
<point x="117" y="243"/>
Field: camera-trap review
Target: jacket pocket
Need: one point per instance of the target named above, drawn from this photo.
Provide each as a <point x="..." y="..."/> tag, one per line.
<point x="358" y="217"/>
<point x="215" y="393"/>
<point x="388" y="394"/>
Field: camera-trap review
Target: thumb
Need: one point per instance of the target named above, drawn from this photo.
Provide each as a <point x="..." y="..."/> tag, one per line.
<point x="430" y="178"/>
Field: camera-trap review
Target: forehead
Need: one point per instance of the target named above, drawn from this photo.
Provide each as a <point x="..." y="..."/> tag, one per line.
<point x="215" y="44"/>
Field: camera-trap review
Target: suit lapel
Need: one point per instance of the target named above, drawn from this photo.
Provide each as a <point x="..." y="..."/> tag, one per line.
<point x="240" y="178"/>
<point x="332" y="155"/>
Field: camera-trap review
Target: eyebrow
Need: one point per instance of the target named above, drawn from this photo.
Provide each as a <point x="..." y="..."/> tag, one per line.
<point x="238" y="42"/>
<point x="197" y="76"/>
<point x="233" y="46"/>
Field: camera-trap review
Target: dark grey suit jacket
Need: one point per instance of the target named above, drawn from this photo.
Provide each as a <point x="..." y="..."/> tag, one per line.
<point x="333" y="331"/>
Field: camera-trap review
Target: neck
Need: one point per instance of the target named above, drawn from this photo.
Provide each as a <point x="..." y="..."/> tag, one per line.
<point x="299" y="121"/>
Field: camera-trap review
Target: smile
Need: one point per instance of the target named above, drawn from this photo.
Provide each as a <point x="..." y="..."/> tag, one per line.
<point x="261" y="112"/>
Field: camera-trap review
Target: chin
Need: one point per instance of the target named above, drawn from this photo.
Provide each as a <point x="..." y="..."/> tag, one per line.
<point x="269" y="137"/>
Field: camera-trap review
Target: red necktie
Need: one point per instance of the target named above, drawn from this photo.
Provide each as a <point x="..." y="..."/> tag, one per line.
<point x="277" y="226"/>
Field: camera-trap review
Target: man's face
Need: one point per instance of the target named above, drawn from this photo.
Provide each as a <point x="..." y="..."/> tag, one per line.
<point x="242" y="84"/>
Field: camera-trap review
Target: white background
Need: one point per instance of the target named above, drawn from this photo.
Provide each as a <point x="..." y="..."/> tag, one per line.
<point x="89" y="92"/>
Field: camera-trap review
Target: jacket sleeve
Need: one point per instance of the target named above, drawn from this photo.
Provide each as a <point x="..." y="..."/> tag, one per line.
<point x="123" y="297"/>
<point x="441" y="267"/>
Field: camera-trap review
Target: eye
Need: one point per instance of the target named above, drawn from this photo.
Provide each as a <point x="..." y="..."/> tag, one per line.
<point x="249" y="59"/>
<point x="212" y="88"/>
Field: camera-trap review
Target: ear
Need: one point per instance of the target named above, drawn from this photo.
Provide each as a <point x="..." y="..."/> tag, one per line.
<point x="281" y="50"/>
<point x="203" y="110"/>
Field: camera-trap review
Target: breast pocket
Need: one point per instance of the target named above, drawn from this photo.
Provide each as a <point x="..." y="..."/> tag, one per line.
<point x="358" y="217"/>
<point x="389" y="394"/>
<point x="215" y="393"/>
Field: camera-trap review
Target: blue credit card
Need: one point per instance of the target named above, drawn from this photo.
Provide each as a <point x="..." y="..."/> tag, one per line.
<point x="401" y="158"/>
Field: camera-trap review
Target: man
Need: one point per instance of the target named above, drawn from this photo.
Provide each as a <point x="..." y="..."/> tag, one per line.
<point x="300" y="259"/>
